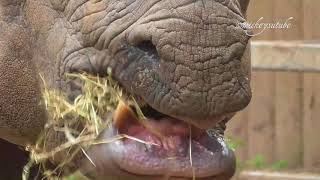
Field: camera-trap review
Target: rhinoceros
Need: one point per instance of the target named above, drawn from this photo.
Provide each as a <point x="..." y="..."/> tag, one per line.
<point x="187" y="60"/>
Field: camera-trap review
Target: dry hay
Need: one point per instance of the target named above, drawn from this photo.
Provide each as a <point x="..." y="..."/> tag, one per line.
<point x="80" y="122"/>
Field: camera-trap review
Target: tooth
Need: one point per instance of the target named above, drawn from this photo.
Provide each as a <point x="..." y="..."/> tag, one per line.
<point x="168" y="144"/>
<point x="157" y="141"/>
<point x="148" y="147"/>
<point x="171" y="143"/>
<point x="165" y="145"/>
<point x="122" y="115"/>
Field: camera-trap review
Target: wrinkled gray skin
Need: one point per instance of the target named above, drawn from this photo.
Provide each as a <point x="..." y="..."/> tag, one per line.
<point x="186" y="58"/>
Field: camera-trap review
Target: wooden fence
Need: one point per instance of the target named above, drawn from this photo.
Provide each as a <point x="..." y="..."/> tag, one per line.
<point x="282" y="123"/>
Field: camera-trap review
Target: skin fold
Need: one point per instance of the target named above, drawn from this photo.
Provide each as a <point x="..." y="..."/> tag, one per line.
<point x="188" y="59"/>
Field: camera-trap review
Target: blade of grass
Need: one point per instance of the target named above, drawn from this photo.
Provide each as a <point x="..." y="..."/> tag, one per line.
<point x="190" y="153"/>
<point x="123" y="136"/>
<point x="85" y="153"/>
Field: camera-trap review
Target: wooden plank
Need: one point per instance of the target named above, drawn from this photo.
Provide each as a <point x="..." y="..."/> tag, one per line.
<point x="284" y="9"/>
<point x="288" y="105"/>
<point x="311" y="19"/>
<point x="261" y="110"/>
<point x="237" y="130"/>
<point x="288" y="119"/>
<point x="286" y="56"/>
<point x="311" y="91"/>
<point x="261" y="116"/>
<point x="311" y="121"/>
<point x="288" y="116"/>
<point x="264" y="175"/>
<point x="258" y="9"/>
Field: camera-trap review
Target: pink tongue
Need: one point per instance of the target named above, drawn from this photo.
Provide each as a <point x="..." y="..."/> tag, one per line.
<point x="161" y="128"/>
<point x="169" y="126"/>
<point x="169" y="134"/>
<point x="169" y="143"/>
<point x="166" y="133"/>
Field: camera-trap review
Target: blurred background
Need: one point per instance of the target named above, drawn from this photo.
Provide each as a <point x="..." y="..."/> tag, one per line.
<point x="279" y="133"/>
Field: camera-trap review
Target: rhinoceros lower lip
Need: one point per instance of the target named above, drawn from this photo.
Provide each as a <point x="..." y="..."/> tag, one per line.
<point x="168" y="147"/>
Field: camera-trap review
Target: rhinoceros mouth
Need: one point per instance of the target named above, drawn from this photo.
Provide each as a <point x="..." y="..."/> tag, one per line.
<point x="164" y="146"/>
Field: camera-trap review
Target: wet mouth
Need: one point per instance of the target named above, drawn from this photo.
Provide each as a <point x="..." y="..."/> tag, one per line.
<point x="160" y="145"/>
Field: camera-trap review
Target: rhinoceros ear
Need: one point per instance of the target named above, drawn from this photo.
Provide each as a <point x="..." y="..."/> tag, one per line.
<point x="244" y="5"/>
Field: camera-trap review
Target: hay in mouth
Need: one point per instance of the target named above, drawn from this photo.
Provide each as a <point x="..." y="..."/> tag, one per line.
<point x="80" y="122"/>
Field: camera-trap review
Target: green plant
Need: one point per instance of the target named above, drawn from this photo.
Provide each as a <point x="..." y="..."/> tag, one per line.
<point x="258" y="162"/>
<point x="76" y="176"/>
<point x="280" y="165"/>
<point x="234" y="143"/>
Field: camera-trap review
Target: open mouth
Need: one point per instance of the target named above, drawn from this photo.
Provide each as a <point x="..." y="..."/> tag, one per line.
<point x="168" y="141"/>
<point x="161" y="145"/>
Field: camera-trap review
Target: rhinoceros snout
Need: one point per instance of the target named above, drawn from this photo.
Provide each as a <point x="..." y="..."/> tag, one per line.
<point x="185" y="59"/>
<point x="187" y="65"/>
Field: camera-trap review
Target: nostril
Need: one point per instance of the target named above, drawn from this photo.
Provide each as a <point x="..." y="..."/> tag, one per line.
<point x="143" y="53"/>
<point x="148" y="47"/>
